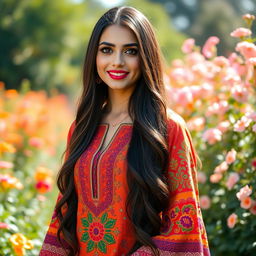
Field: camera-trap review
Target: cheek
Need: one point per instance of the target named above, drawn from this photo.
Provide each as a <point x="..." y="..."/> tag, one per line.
<point x="100" y="63"/>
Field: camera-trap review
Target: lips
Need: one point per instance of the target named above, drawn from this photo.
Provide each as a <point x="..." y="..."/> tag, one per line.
<point x="117" y="74"/>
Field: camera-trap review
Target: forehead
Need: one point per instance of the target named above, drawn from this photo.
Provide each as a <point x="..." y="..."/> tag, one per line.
<point x="118" y="35"/>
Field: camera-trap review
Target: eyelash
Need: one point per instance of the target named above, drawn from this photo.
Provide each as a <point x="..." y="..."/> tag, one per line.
<point x="107" y="50"/>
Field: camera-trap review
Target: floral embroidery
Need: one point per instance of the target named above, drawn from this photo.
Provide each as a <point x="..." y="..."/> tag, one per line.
<point x="97" y="233"/>
<point x="185" y="223"/>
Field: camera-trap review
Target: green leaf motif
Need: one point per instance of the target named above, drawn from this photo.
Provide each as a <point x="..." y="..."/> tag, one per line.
<point x="85" y="222"/>
<point x="90" y="246"/>
<point x="90" y="217"/>
<point x="104" y="218"/>
<point x="85" y="237"/>
<point x="109" y="238"/>
<point x="102" y="246"/>
<point x="110" y="223"/>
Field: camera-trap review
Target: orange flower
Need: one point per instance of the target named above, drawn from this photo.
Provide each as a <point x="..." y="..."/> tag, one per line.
<point x="20" y="243"/>
<point x="6" y="147"/>
<point x="4" y="114"/>
<point x="232" y="220"/>
<point x="12" y="93"/>
<point x="8" y="182"/>
<point x="246" y="203"/>
<point x="14" y="138"/>
<point x="42" y="173"/>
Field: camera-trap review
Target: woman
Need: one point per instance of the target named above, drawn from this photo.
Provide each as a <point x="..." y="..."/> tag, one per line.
<point x="128" y="183"/>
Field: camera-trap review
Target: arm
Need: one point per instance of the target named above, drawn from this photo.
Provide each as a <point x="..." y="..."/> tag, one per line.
<point x="182" y="231"/>
<point x="51" y="246"/>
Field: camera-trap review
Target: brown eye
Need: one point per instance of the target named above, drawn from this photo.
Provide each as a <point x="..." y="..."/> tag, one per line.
<point x="106" y="50"/>
<point x="131" y="51"/>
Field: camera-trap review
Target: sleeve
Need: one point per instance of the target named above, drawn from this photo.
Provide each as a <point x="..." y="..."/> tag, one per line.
<point x="182" y="231"/>
<point x="51" y="246"/>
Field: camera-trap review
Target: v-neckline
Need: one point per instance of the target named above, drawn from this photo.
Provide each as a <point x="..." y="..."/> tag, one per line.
<point x="113" y="136"/>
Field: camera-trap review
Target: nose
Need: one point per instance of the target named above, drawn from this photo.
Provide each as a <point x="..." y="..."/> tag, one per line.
<point x="118" y="59"/>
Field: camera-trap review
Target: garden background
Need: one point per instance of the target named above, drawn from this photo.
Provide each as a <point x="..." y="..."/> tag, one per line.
<point x="210" y="78"/>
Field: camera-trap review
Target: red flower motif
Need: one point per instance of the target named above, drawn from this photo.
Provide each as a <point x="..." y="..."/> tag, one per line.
<point x="96" y="231"/>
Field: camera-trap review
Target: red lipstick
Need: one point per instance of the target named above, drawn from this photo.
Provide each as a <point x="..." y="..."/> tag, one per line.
<point x="117" y="74"/>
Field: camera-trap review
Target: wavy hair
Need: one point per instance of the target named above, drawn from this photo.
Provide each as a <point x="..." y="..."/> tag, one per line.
<point x="147" y="155"/>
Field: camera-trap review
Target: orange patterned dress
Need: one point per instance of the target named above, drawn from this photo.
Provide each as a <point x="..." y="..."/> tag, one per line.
<point x="103" y="227"/>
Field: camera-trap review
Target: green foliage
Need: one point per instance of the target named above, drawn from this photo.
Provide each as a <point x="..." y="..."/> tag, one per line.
<point x="39" y="42"/>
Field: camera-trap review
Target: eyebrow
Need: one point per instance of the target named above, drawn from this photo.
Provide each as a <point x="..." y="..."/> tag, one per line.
<point x="125" y="45"/>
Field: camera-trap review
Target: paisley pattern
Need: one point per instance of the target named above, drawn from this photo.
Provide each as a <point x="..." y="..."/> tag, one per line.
<point x="103" y="227"/>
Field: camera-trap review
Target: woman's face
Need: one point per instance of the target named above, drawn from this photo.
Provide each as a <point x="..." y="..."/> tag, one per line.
<point x="117" y="61"/>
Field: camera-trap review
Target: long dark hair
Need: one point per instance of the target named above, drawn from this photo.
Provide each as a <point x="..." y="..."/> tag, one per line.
<point x="148" y="151"/>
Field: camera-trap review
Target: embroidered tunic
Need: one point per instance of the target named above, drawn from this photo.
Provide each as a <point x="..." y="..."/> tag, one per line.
<point x="103" y="227"/>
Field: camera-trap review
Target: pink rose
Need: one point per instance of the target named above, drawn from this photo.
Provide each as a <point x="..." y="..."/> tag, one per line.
<point x="215" y="178"/>
<point x="246" y="203"/>
<point x="252" y="116"/>
<point x="209" y="48"/>
<point x="248" y="50"/>
<point x="223" y="126"/>
<point x="218" y="108"/>
<point x="205" y="202"/>
<point x="196" y="124"/>
<point x="177" y="63"/>
<point x="232" y="220"/>
<point x="252" y="61"/>
<point x="194" y="58"/>
<point x="184" y="96"/>
<point x="36" y="142"/>
<point x="240" y="93"/>
<point x="243" y="193"/>
<point x="231" y="156"/>
<point x="5" y="165"/>
<point x="4" y="225"/>
<point x="248" y="17"/>
<point x="241" y="32"/>
<point x="221" y="168"/>
<point x="201" y="177"/>
<point x="221" y="61"/>
<point x="212" y="135"/>
<point x="188" y="45"/>
<point x="233" y="178"/>
<point x="242" y="124"/>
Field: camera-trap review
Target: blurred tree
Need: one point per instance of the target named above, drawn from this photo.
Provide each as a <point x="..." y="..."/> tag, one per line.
<point x="201" y="18"/>
<point x="39" y="40"/>
<point x="218" y="19"/>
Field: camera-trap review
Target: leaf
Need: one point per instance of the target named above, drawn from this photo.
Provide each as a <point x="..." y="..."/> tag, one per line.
<point x="104" y="217"/>
<point x="85" y="222"/>
<point x="85" y="237"/>
<point x="110" y="223"/>
<point x="102" y="246"/>
<point x="90" y="246"/>
<point x="109" y="238"/>
<point x="90" y="219"/>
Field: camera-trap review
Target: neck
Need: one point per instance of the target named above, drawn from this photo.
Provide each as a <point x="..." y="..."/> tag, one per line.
<point x="118" y="101"/>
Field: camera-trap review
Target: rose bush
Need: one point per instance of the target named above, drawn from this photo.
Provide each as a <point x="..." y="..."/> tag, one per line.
<point x="217" y="97"/>
<point x="33" y="128"/>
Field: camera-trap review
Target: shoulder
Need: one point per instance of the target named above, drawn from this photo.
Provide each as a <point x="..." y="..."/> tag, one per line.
<point x="175" y="122"/>
<point x="177" y="130"/>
